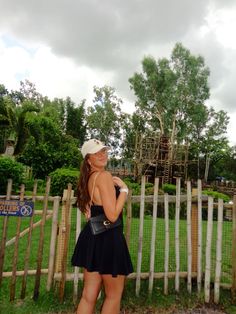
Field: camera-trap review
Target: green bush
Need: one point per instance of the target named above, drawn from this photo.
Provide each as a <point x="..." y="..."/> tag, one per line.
<point x="169" y="188"/>
<point x="60" y="179"/>
<point x="216" y="195"/>
<point x="10" y="169"/>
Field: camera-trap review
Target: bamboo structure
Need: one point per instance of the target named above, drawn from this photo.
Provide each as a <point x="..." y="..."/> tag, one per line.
<point x="140" y="242"/>
<point x="76" y="271"/>
<point x="156" y="155"/>
<point x="129" y="218"/>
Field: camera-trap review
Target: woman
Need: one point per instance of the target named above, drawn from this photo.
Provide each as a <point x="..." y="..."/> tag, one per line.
<point x="104" y="257"/>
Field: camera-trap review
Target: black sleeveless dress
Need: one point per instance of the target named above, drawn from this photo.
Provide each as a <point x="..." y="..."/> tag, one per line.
<point x="105" y="253"/>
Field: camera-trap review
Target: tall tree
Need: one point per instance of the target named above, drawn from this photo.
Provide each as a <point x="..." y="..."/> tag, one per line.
<point x="104" y="117"/>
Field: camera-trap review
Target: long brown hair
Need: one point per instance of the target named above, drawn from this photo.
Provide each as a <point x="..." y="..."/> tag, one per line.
<point x="83" y="197"/>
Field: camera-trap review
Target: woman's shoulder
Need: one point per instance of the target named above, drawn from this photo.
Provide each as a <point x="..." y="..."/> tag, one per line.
<point x="105" y="175"/>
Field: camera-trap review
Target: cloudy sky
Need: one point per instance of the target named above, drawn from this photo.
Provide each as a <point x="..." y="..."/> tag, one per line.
<point x="65" y="47"/>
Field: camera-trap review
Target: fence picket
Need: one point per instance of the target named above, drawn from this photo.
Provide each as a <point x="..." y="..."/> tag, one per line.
<point x="41" y="241"/>
<point x="4" y="231"/>
<point x="140" y="242"/>
<point x="177" y="216"/>
<point x="208" y="250"/>
<point x="76" y="271"/>
<point x="16" y="248"/>
<point x="218" y="251"/>
<point x="167" y="242"/>
<point x="53" y="241"/>
<point x="199" y="251"/>
<point x="27" y="254"/>
<point x="234" y="251"/>
<point x="189" y="232"/>
<point x="153" y="240"/>
<point x="67" y="209"/>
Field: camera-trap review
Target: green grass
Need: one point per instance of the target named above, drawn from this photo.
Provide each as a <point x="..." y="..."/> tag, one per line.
<point x="48" y="301"/>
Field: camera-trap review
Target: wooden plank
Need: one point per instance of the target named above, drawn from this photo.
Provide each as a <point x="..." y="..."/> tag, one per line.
<point x="56" y="205"/>
<point x="177" y="217"/>
<point x="189" y="242"/>
<point x="218" y="251"/>
<point x="208" y="250"/>
<point x="140" y="241"/>
<point x="233" y="290"/>
<point x="16" y="248"/>
<point x="27" y="254"/>
<point x="199" y="251"/>
<point x="167" y="242"/>
<point x="128" y="218"/>
<point x="67" y="208"/>
<point x="153" y="239"/>
<point x="41" y="241"/>
<point x="76" y="271"/>
<point x="4" y="231"/>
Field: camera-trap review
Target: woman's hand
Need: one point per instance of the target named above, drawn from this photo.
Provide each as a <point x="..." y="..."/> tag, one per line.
<point x="88" y="213"/>
<point x="120" y="183"/>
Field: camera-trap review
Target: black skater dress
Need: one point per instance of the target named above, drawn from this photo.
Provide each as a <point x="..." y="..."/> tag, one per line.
<point x="105" y="253"/>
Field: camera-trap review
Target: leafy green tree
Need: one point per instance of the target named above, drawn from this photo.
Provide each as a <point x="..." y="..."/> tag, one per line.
<point x="104" y="117"/>
<point x="167" y="90"/>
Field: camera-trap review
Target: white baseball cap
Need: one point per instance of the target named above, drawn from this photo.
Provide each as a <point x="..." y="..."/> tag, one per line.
<point x="92" y="146"/>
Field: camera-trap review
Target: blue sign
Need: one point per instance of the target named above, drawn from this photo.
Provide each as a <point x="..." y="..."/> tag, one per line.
<point x="16" y="208"/>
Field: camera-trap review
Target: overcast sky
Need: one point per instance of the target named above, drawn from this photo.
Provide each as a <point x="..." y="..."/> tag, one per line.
<point x="65" y="47"/>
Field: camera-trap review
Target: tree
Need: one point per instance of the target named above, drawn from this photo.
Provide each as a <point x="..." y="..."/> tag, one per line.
<point x="167" y="90"/>
<point x="104" y="117"/>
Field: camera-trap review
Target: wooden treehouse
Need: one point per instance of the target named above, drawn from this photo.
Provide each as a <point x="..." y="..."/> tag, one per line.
<point x="155" y="156"/>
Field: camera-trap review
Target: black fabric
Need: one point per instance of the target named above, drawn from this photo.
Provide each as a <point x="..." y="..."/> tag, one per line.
<point x="106" y="253"/>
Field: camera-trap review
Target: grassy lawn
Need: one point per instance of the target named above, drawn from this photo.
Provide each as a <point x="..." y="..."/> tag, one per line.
<point x="48" y="301"/>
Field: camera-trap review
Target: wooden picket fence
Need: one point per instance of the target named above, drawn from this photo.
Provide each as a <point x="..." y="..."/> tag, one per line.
<point x="58" y="269"/>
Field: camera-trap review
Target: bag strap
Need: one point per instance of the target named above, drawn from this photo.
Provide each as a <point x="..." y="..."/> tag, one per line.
<point x="91" y="198"/>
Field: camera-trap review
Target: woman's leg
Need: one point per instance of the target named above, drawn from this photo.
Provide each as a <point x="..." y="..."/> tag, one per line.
<point x="113" y="287"/>
<point x="92" y="286"/>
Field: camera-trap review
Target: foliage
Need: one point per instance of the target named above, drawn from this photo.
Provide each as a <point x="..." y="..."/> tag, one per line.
<point x="216" y="195"/>
<point x="104" y="117"/>
<point x="60" y="179"/>
<point x="169" y="188"/>
<point x="10" y="169"/>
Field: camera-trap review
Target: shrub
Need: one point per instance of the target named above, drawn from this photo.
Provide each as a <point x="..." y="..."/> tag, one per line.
<point x="169" y="188"/>
<point x="10" y="169"/>
<point x="60" y="179"/>
<point x="216" y="195"/>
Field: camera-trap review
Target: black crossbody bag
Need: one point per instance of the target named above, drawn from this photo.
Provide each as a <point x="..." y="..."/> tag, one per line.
<point x="100" y="223"/>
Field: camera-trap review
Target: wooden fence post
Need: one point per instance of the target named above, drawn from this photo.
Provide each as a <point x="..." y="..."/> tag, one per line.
<point x="16" y="249"/>
<point x="199" y="251"/>
<point x="167" y="242"/>
<point x="41" y="241"/>
<point x="27" y="254"/>
<point x="67" y="209"/>
<point x="56" y="205"/>
<point x="208" y="249"/>
<point x="140" y="242"/>
<point x="177" y="217"/>
<point x="153" y="240"/>
<point x="4" y="230"/>
<point x="234" y="251"/>
<point x="189" y="242"/>
<point x="128" y="218"/>
<point x="76" y="271"/>
<point x="218" y="251"/>
<point x="194" y="231"/>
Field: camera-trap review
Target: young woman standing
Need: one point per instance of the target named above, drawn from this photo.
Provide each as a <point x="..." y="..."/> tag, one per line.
<point x="104" y="257"/>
